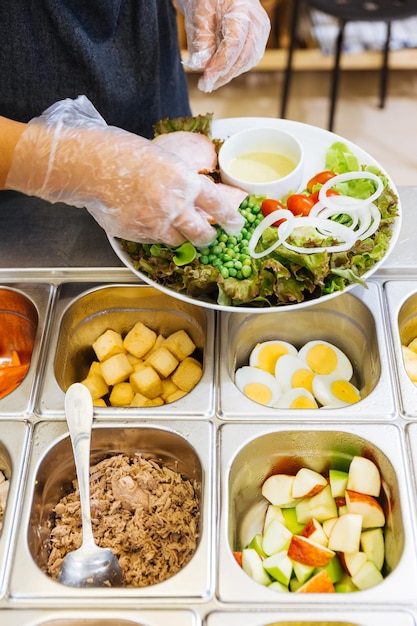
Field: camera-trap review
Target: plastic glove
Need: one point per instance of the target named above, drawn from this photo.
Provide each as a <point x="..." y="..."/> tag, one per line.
<point x="224" y="38"/>
<point x="133" y="188"/>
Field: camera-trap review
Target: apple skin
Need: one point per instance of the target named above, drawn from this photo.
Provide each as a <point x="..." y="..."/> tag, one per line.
<point x="338" y="481"/>
<point x="314" y="531"/>
<point x="364" y="476"/>
<point x="372" y="512"/>
<point x="276" y="538"/>
<point x="307" y="552"/>
<point x="279" y="566"/>
<point x="319" y="583"/>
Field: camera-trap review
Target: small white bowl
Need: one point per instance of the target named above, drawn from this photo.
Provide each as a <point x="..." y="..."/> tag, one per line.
<point x="263" y="161"/>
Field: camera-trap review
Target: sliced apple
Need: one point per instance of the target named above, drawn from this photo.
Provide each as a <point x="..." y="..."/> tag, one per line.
<point x="252" y="565"/>
<point x="277" y="586"/>
<point x="277" y="489"/>
<point x="373" y="545"/>
<point x="353" y="561"/>
<point x="290" y="520"/>
<point x="319" y="583"/>
<point x="345" y="535"/>
<point x="314" y="531"/>
<point x="279" y="566"/>
<point x="321" y="506"/>
<point x="345" y="585"/>
<point x="307" y="483"/>
<point x="276" y="537"/>
<point x="307" y="552"/>
<point x="362" y="504"/>
<point x="302" y="572"/>
<point x="334" y="569"/>
<point x="256" y="544"/>
<point x="338" y="482"/>
<point x="364" y="476"/>
<point x="367" y="576"/>
<point x="328" y="525"/>
<point x="273" y="512"/>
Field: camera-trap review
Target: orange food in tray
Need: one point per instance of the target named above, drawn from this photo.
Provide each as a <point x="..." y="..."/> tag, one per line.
<point x="12" y="372"/>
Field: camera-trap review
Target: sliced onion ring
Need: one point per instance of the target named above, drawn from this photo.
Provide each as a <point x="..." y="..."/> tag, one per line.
<point x="267" y="221"/>
<point x="327" y="228"/>
<point x="342" y="178"/>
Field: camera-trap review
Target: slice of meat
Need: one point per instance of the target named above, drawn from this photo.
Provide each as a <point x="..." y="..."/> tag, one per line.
<point x="196" y="149"/>
<point x="235" y="195"/>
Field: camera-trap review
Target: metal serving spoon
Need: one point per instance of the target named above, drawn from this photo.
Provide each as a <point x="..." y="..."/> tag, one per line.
<point x="89" y="565"/>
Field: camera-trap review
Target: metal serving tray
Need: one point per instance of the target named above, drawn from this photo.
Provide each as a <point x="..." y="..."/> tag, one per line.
<point x="35" y="304"/>
<point x="84" y="311"/>
<point x="186" y="447"/>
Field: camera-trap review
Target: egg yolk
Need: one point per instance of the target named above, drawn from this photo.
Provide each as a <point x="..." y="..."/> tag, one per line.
<point x="269" y="355"/>
<point x="322" y="359"/>
<point x="343" y="390"/>
<point x="303" y="403"/>
<point x="303" y="378"/>
<point x="258" y="393"/>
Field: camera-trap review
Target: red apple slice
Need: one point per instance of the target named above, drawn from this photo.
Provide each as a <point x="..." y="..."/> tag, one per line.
<point x="367" y="506"/>
<point x="307" y="483"/>
<point x="364" y="476"/>
<point x="307" y="552"/>
<point x="314" y="531"/>
<point x="319" y="583"/>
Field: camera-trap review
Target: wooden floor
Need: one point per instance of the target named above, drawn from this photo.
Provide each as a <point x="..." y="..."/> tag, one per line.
<point x="389" y="134"/>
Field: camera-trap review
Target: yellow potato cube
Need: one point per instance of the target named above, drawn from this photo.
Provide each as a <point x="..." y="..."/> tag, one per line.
<point x="116" y="369"/>
<point x="176" y="395"/>
<point x="99" y="402"/>
<point x="168" y="387"/>
<point x="95" y="368"/>
<point x="108" y="344"/>
<point x="139" y="365"/>
<point x="121" y="395"/>
<point x="187" y="374"/>
<point x="158" y="343"/>
<point x="96" y="385"/>
<point x="147" y="382"/>
<point x="139" y="340"/>
<point x="163" y="361"/>
<point x="140" y="400"/>
<point x="180" y="344"/>
<point x="133" y="359"/>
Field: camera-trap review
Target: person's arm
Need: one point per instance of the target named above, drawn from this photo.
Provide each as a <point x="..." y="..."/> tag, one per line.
<point x="10" y="132"/>
<point x="133" y="188"/>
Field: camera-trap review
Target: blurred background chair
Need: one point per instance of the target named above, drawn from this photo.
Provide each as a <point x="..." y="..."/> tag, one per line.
<point x="347" y="11"/>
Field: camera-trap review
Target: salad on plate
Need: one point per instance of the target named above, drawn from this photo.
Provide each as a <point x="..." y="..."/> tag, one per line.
<point x="310" y="244"/>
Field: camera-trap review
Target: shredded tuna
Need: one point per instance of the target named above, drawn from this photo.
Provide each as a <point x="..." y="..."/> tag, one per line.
<point x="147" y="514"/>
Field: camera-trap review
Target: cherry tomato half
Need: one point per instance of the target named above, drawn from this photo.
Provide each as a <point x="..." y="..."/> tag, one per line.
<point x="315" y="195"/>
<point x="269" y="205"/>
<point x="320" y="179"/>
<point x="299" y="204"/>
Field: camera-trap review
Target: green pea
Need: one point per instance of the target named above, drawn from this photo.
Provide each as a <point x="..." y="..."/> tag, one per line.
<point x="224" y="272"/>
<point x="246" y="271"/>
<point x="204" y="259"/>
<point x="232" y="272"/>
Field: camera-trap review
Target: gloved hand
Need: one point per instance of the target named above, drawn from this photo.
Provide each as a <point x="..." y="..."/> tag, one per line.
<point x="225" y="38"/>
<point x="133" y="188"/>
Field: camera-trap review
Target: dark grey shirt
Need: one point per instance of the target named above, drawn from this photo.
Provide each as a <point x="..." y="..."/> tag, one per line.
<point x="122" y="54"/>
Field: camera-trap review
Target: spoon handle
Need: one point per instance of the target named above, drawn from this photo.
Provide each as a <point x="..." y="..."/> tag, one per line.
<point x="79" y="413"/>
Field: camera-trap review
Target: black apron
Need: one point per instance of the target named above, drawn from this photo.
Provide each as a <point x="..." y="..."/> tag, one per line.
<point x="122" y="54"/>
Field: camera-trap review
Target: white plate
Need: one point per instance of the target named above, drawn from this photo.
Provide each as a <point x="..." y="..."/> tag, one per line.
<point x="315" y="142"/>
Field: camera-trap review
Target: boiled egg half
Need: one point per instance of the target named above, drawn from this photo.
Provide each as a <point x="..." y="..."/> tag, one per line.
<point x="258" y="385"/>
<point x="266" y="354"/>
